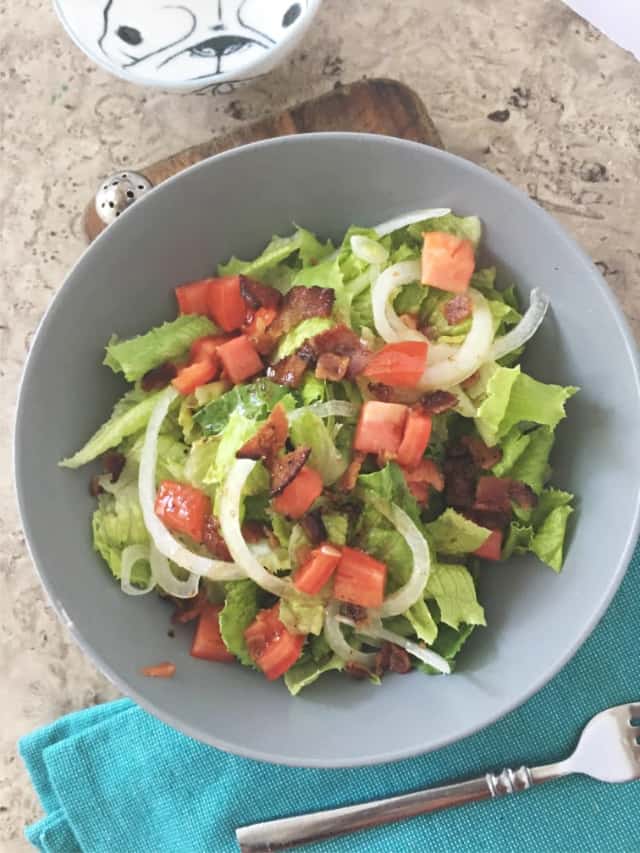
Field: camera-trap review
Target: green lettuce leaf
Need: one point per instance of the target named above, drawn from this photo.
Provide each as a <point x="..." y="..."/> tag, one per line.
<point x="254" y="401"/>
<point x="130" y="415"/>
<point x="518" y="539"/>
<point x="240" y="609"/>
<point x="410" y="298"/>
<point x="302" y="614"/>
<point x="452" y="533"/>
<point x="452" y="588"/>
<point x="202" y="455"/>
<point x="337" y="526"/>
<point x="532" y="467"/>
<point x="294" y="339"/>
<point x="513" y="446"/>
<point x="302" y="243"/>
<point x="549" y="500"/>
<point x="317" y="658"/>
<point x="548" y="540"/>
<point x="308" y="430"/>
<point x="313" y="390"/>
<point x="117" y="523"/>
<point x="467" y="227"/>
<point x="137" y="356"/>
<point x="389" y="483"/>
<point x="237" y="432"/>
<point x="422" y="622"/>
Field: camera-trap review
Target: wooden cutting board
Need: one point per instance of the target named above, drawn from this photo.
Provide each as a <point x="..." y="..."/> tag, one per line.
<point x="369" y="106"/>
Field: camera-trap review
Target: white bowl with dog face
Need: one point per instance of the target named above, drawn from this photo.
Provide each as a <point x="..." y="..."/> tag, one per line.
<point x="193" y="46"/>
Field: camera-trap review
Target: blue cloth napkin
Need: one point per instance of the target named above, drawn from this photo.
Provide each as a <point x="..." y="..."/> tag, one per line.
<point x="113" y="779"/>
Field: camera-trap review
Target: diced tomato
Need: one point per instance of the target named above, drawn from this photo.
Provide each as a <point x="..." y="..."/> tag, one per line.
<point x="166" y="669"/>
<point x="448" y="261"/>
<point x="323" y="561"/>
<point x="296" y="498"/>
<point x="226" y="303"/>
<point x="400" y="364"/>
<point x="417" y="432"/>
<point x="207" y="640"/>
<point x="194" y="298"/>
<point x="194" y="375"/>
<point x="183" y="508"/>
<point x="260" y="321"/>
<point x="207" y="347"/>
<point x="240" y="359"/>
<point x="359" y="579"/>
<point x="271" y="645"/>
<point x="491" y="548"/>
<point x="380" y="427"/>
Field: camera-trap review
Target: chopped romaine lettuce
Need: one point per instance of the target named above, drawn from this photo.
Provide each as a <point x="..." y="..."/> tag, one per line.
<point x="548" y="540"/>
<point x="117" y="523"/>
<point x="254" y="401"/>
<point x="421" y="620"/>
<point x="316" y="659"/>
<point x="240" y="608"/>
<point x="452" y="587"/>
<point x="532" y="467"/>
<point x="308" y="430"/>
<point x="452" y="533"/>
<point x="337" y="526"/>
<point x="294" y="339"/>
<point x="302" y="614"/>
<point x="137" y="356"/>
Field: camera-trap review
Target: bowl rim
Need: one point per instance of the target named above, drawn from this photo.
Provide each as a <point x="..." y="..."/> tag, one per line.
<point x="271" y="58"/>
<point x="381" y="757"/>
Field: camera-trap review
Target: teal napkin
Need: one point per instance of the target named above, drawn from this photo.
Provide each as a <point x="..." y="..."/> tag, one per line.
<point x="113" y="779"/>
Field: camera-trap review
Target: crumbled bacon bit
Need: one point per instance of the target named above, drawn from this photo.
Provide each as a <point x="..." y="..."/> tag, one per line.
<point x="357" y="671"/>
<point x="190" y="609"/>
<point x="95" y="487"/>
<point x="331" y="366"/>
<point x="341" y="340"/>
<point x="354" y="612"/>
<point x="285" y="468"/>
<point x="159" y="377"/>
<point x="459" y="477"/>
<point x="496" y="493"/>
<point x="313" y="527"/>
<point x="269" y="439"/>
<point x="437" y="402"/>
<point x="350" y="476"/>
<point x="393" y="658"/>
<point x="380" y="391"/>
<point x="213" y="540"/>
<point x="484" y="457"/>
<point x="113" y="463"/>
<point x="160" y="670"/>
<point x="490" y="519"/>
<point x="523" y="495"/>
<point x="258" y="295"/>
<point x="290" y="371"/>
<point x="253" y="531"/>
<point x="302" y="303"/>
<point x="457" y="309"/>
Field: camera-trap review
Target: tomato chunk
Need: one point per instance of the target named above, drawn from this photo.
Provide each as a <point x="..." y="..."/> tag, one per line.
<point x="240" y="359"/>
<point x="380" y="427"/>
<point x="183" y="508"/>
<point x="207" y="347"/>
<point x="417" y="432"/>
<point x="166" y="669"/>
<point x="359" y="579"/>
<point x="226" y="303"/>
<point x="322" y="563"/>
<point x="491" y="548"/>
<point x="271" y="645"/>
<point x="194" y="375"/>
<point x="194" y="298"/>
<point x="207" y="640"/>
<point x="400" y="364"/>
<point x="448" y="261"/>
<point x="296" y="498"/>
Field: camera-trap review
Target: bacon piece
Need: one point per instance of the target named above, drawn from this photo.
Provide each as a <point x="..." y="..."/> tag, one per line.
<point x="313" y="527"/>
<point x="269" y="439"/>
<point x="160" y="670"/>
<point x="213" y="540"/>
<point x="487" y="518"/>
<point x="290" y="371"/>
<point x="159" y="377"/>
<point x="341" y="340"/>
<point x="356" y="670"/>
<point x="113" y="463"/>
<point x="459" y="478"/>
<point x="354" y="612"/>
<point x="496" y="493"/>
<point x="380" y="391"/>
<point x="253" y="531"/>
<point x="285" y="468"/>
<point x="483" y="456"/>
<point x="392" y="658"/>
<point x="302" y="303"/>
<point x="437" y="402"/>
<point x="95" y="487"/>
<point x="331" y="366"/>
<point x="350" y="476"/>
<point x="258" y="295"/>
<point x="457" y="309"/>
<point x="190" y="609"/>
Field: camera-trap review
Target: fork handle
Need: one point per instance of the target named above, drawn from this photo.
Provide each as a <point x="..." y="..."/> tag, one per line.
<point x="291" y="831"/>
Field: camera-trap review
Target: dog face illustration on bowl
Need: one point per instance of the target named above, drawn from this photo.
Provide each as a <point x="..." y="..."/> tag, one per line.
<point x="194" y="39"/>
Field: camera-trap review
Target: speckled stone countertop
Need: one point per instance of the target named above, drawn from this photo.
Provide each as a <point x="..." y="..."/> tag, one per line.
<point x="526" y="89"/>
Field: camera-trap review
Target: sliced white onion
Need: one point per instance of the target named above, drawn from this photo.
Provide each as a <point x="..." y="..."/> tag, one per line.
<point x="526" y="328"/>
<point x="409" y="219"/>
<point x="232" y="532"/>
<point x="468" y="357"/>
<point x="402" y="599"/>
<point x="388" y="325"/>
<point x="166" y="579"/>
<point x="374" y="630"/>
<point x="368" y="250"/>
<point x="330" y="409"/>
<point x="336" y="641"/>
<point x="165" y="543"/>
<point x="130" y="556"/>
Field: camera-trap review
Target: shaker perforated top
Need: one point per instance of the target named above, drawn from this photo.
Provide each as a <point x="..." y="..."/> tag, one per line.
<point x="193" y="46"/>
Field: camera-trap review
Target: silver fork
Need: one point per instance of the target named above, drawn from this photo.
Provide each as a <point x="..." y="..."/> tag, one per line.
<point x="608" y="750"/>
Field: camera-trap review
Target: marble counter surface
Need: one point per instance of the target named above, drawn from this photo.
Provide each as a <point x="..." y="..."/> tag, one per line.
<point x="528" y="90"/>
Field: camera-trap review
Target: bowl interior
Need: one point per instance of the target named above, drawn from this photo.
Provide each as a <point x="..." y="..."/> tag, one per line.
<point x="232" y="204"/>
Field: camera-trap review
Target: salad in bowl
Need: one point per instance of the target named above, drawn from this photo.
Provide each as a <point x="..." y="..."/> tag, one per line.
<point x="322" y="452"/>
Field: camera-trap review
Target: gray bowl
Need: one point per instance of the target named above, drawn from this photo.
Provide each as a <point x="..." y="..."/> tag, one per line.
<point x="232" y="204"/>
